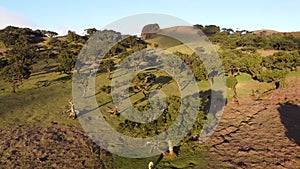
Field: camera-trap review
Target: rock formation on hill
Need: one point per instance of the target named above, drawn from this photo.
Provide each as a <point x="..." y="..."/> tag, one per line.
<point x="149" y="31"/>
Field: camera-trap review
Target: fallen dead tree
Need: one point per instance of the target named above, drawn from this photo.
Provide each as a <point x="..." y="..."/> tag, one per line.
<point x="73" y="111"/>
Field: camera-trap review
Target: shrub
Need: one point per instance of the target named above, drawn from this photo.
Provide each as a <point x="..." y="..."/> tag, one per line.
<point x="231" y="82"/>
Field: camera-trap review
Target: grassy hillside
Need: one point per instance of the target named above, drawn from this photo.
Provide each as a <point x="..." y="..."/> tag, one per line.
<point x="163" y="42"/>
<point x="35" y="105"/>
<point x="35" y="118"/>
<point x="43" y="106"/>
<point x="270" y="32"/>
<point x="46" y="105"/>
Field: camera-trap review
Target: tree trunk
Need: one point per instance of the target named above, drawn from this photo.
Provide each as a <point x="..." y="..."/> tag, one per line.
<point x="72" y="111"/>
<point x="84" y="92"/>
<point x="171" y="150"/>
<point x="277" y="84"/>
<point x="144" y="93"/>
<point x="115" y="111"/>
<point x="13" y="85"/>
<point x="108" y="72"/>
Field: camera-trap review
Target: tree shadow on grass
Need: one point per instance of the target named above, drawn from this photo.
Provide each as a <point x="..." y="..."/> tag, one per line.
<point x="290" y="118"/>
<point x="209" y="104"/>
<point x="176" y="151"/>
<point x="163" y="80"/>
<point x="62" y="79"/>
<point x="158" y="160"/>
<point x="40" y="73"/>
<point x="86" y="111"/>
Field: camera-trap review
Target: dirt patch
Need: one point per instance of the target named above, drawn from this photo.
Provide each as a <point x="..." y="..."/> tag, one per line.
<point x="265" y="32"/>
<point x="260" y="132"/>
<point x="52" y="146"/>
<point x="266" y="52"/>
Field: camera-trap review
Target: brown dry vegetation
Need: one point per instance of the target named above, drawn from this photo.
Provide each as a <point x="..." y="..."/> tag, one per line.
<point x="266" y="52"/>
<point x="51" y="146"/>
<point x="270" y="32"/>
<point x="262" y="132"/>
<point x="265" y="32"/>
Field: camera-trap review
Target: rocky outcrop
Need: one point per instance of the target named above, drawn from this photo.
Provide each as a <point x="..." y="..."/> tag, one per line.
<point x="149" y="31"/>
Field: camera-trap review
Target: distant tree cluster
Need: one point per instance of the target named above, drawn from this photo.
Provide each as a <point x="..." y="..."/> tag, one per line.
<point x="127" y="46"/>
<point x="271" y="68"/>
<point x="208" y="30"/>
<point x="228" y="39"/>
<point x="11" y="35"/>
<point x="238" y="51"/>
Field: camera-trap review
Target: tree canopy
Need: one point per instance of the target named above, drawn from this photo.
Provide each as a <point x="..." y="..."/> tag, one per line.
<point x="18" y="63"/>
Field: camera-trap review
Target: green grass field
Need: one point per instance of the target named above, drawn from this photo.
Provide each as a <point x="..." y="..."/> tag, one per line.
<point x="163" y="42"/>
<point x="192" y="156"/>
<point x="44" y="105"/>
<point x="246" y="86"/>
<point x="37" y="105"/>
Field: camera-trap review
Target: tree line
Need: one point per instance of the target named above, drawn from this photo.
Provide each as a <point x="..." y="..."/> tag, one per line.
<point x="24" y="47"/>
<point x="228" y="38"/>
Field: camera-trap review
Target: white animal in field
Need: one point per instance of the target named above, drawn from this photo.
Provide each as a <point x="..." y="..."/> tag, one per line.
<point x="151" y="165"/>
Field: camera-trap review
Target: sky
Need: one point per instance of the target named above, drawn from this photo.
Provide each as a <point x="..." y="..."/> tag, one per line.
<point x="77" y="15"/>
